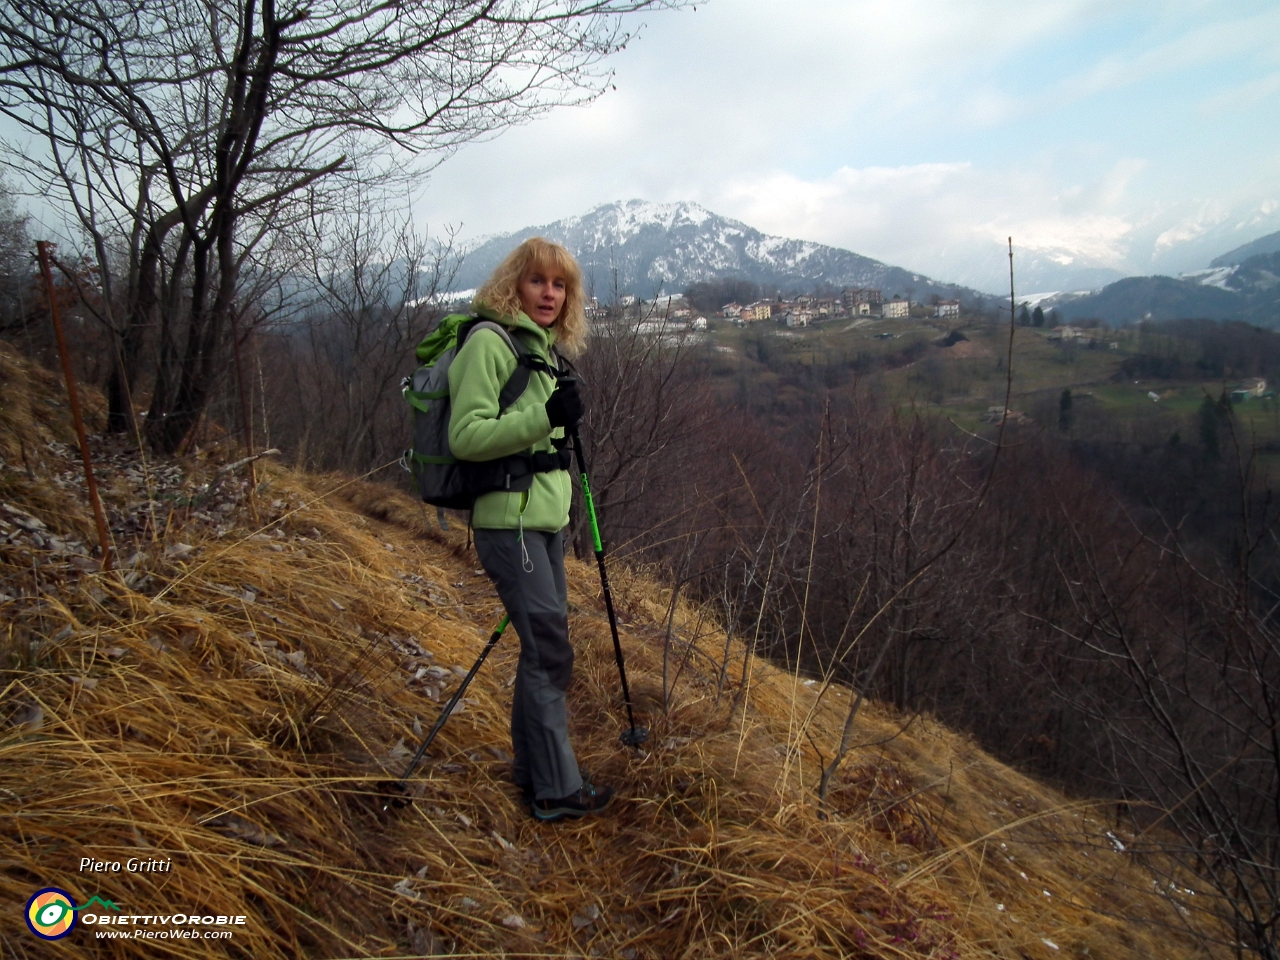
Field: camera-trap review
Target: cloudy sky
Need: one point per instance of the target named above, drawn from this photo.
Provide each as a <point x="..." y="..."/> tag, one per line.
<point x="1127" y="135"/>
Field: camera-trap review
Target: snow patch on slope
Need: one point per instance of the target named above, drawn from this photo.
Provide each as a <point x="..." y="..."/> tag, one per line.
<point x="1213" y="277"/>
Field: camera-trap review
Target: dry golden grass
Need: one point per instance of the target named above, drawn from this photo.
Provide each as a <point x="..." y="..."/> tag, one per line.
<point x="230" y="699"/>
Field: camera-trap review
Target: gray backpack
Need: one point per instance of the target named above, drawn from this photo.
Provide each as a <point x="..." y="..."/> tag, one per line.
<point x="443" y="479"/>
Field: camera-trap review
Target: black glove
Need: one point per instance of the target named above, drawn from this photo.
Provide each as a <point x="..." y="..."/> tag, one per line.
<point x="565" y="408"/>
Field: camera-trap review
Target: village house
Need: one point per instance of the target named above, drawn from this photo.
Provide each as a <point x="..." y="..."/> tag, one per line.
<point x="1000" y="414"/>
<point x="895" y="309"/>
<point x="660" y="326"/>
<point x="731" y="310"/>
<point x="760" y="310"/>
<point x="947" y="308"/>
<point x="1089" y="336"/>
<point x="799" y="318"/>
<point x="668" y="306"/>
<point x="859" y="301"/>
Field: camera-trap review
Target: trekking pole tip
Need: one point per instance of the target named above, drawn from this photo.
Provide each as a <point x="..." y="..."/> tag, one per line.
<point x="635" y="736"/>
<point x="394" y="794"/>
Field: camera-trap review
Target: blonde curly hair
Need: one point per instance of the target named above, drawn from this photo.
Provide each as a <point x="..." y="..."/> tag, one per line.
<point x="501" y="292"/>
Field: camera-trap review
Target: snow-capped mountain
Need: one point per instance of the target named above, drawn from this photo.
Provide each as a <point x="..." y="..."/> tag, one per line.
<point x="1233" y="289"/>
<point x="646" y="249"/>
<point x="1058" y="249"/>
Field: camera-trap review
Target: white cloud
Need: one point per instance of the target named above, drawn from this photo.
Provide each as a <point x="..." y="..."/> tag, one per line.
<point x="1211" y="214"/>
<point x="1242" y="96"/>
<point x="937" y="217"/>
<point x="1233" y="39"/>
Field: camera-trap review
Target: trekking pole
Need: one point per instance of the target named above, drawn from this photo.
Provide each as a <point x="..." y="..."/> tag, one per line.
<point x="397" y="793"/>
<point x="636" y="735"/>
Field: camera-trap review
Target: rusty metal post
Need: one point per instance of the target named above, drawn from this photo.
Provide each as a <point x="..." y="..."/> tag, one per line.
<point x="42" y="249"/>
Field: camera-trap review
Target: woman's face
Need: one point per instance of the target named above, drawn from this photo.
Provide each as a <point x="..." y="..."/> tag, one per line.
<point x="542" y="292"/>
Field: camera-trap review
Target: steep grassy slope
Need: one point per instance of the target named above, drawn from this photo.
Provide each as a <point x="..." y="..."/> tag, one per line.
<point x="229" y="697"/>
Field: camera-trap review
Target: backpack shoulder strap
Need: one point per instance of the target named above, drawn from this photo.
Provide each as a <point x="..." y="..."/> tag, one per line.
<point x="526" y="362"/>
<point x="478" y="323"/>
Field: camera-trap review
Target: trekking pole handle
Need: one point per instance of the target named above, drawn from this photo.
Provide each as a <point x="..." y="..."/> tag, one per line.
<point x="596" y="543"/>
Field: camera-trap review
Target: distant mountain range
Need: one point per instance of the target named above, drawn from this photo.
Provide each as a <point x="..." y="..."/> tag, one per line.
<point x="1152" y="298"/>
<point x="1242" y="285"/>
<point x="647" y="249"/>
<point x="1268" y="244"/>
<point x="651" y="249"/>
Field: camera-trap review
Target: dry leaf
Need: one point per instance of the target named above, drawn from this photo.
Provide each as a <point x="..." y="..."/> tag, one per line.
<point x="238" y="828"/>
<point x="32" y="716"/>
<point x="424" y="943"/>
<point x="503" y="842"/>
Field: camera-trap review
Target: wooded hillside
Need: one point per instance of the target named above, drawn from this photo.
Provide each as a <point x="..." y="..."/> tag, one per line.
<point x="266" y="653"/>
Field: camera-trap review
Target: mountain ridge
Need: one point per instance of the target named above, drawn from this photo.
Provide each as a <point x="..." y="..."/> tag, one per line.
<point x="1263" y="245"/>
<point x="646" y="249"/>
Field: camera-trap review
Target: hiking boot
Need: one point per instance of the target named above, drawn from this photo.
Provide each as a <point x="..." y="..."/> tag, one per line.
<point x="588" y="799"/>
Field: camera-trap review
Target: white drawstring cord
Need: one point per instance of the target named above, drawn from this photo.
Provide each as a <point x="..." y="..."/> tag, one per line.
<point x="524" y="550"/>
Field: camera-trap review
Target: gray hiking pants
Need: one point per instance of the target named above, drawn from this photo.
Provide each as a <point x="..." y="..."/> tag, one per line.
<point x="530" y="581"/>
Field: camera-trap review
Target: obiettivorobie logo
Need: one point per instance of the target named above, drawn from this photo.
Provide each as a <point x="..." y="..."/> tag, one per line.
<point x="51" y="913"/>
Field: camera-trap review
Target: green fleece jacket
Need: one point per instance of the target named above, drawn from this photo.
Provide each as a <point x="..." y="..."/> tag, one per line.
<point x="479" y="431"/>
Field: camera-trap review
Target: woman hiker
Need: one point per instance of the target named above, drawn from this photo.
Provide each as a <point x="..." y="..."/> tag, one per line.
<point x="536" y="294"/>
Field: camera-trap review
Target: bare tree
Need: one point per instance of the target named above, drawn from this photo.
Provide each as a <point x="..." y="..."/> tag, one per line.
<point x="647" y="402"/>
<point x="1183" y="669"/>
<point x="178" y="132"/>
<point x="15" y="262"/>
<point x="371" y="295"/>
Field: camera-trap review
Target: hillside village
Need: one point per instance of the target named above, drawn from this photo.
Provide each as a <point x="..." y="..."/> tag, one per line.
<point x="674" y="312"/>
